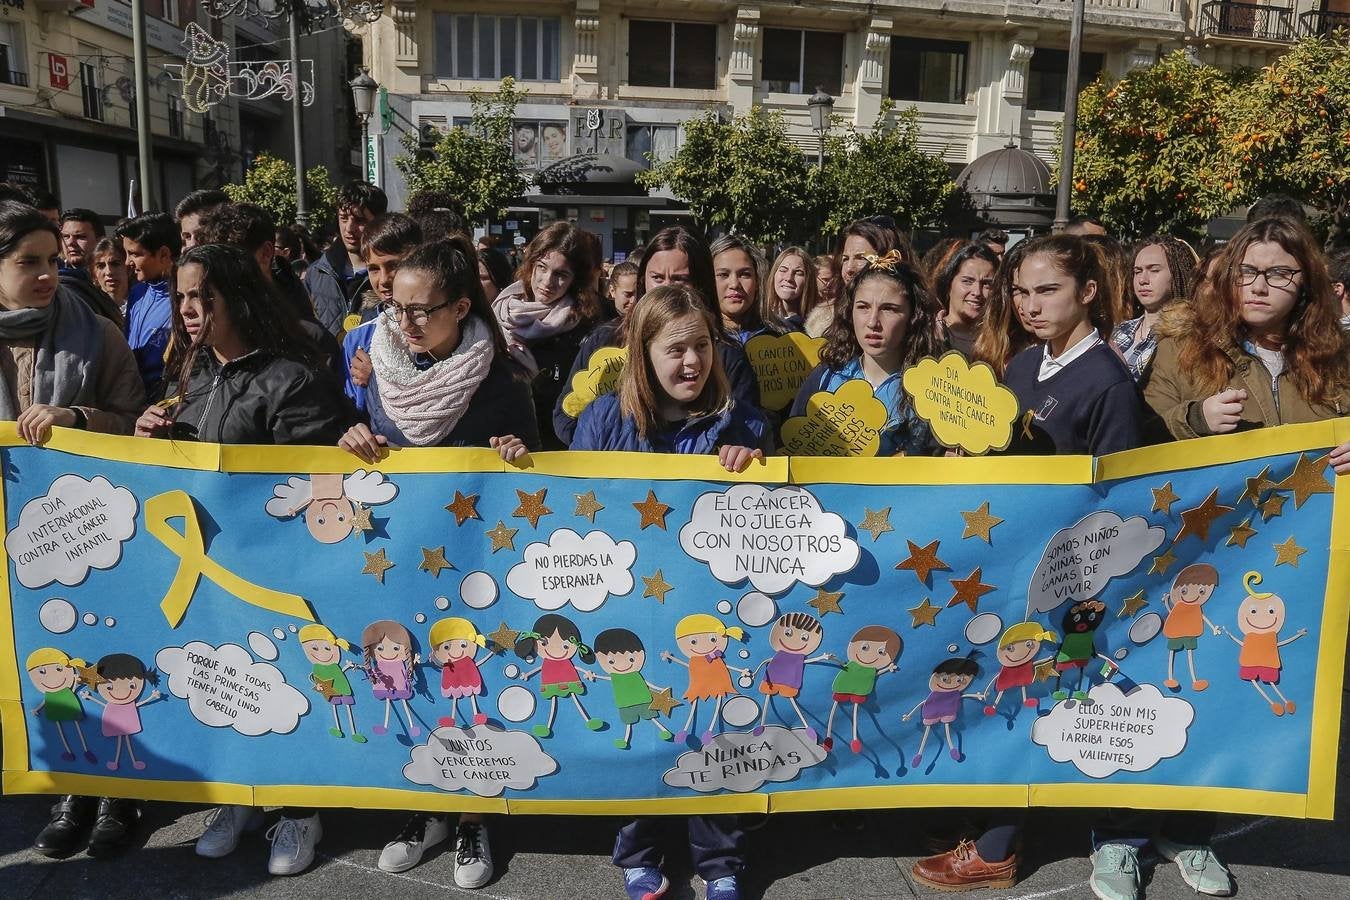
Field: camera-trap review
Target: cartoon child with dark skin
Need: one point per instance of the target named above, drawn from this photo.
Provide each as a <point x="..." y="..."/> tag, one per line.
<point x="621" y="654"/>
<point x="455" y="643"/>
<point x="793" y="638"/>
<point x="703" y="639"/>
<point x="389" y="657"/>
<point x="329" y="674"/>
<point x="942" y="706"/>
<point x="1016" y="657"/>
<point x="120" y="679"/>
<point x="1186" y="620"/>
<point x="1078" y="648"/>
<point x="1260" y="618"/>
<point x="556" y="640"/>
<point x="56" y="674"/>
<point x="872" y="652"/>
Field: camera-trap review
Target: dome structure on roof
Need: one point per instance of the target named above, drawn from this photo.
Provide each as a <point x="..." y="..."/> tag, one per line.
<point x="1011" y="187"/>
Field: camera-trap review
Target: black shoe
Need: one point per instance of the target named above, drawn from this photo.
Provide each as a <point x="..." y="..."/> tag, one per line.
<point x="62" y="836"/>
<point x="115" y="823"/>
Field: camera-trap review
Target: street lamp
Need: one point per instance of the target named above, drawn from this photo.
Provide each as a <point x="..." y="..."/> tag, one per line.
<point x="363" y="101"/>
<point x="821" y="105"/>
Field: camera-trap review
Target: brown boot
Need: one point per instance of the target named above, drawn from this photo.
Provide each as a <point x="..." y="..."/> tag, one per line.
<point x="962" y="869"/>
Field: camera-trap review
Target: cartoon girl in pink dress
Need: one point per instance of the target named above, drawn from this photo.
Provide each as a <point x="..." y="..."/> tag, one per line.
<point x="454" y="647"/>
<point x="555" y="640"/>
<point x="387" y="646"/>
<point x="119" y="680"/>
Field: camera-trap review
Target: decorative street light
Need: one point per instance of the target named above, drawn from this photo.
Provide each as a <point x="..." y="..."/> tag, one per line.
<point x="363" y="101"/>
<point x="821" y="105"/>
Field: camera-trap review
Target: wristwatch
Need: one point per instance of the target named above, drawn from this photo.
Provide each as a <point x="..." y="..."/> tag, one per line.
<point x="81" y="420"/>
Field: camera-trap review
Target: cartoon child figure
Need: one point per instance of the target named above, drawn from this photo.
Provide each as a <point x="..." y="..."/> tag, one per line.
<point x="1078" y="648"/>
<point x="622" y="656"/>
<point x="455" y="643"/>
<point x="943" y="703"/>
<point x="55" y="674"/>
<point x="120" y="679"/>
<point x="793" y="638"/>
<point x="1260" y="618"/>
<point x="556" y="641"/>
<point x="329" y="674"/>
<point x="1186" y="620"/>
<point x="389" y="658"/>
<point x="872" y="652"/>
<point x="703" y="638"/>
<point x="1016" y="655"/>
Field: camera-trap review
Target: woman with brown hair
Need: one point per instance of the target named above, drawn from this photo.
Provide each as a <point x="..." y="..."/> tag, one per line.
<point x="1003" y="333"/>
<point x="739" y="273"/>
<point x="962" y="283"/>
<point x="792" y="292"/>
<point x="1164" y="270"/>
<point x="876" y="236"/>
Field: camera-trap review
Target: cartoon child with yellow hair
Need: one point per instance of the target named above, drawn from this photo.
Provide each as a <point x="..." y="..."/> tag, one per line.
<point x="1260" y="618"/>
<point x="703" y="639"/>
<point x="455" y="643"/>
<point x="1016" y="655"/>
<point x="56" y="674"/>
<point x="329" y="675"/>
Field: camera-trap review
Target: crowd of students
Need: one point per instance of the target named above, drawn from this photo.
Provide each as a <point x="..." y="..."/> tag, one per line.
<point x="199" y="326"/>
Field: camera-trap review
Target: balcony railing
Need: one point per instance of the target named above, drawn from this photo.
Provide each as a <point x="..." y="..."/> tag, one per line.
<point x="1255" y="21"/>
<point x="1318" y="22"/>
<point x="9" y="76"/>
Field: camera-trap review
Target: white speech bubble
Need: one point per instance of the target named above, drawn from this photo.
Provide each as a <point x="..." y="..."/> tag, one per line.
<point x="58" y="616"/>
<point x="983" y="628"/>
<point x="225" y="688"/>
<point x="1079" y="560"/>
<point x="262" y="646"/>
<point x="79" y="525"/>
<point x="1145" y="628"/>
<point x="478" y="590"/>
<point x="775" y="537"/>
<point x="740" y="711"/>
<point x="582" y="571"/>
<point x="484" y="760"/>
<point x="740" y="762"/>
<point x="1115" y="733"/>
<point x="756" y="609"/>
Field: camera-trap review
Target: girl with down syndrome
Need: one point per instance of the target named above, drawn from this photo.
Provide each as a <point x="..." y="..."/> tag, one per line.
<point x="556" y="641"/>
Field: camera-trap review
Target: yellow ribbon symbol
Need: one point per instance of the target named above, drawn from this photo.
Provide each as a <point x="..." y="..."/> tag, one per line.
<point x="190" y="548"/>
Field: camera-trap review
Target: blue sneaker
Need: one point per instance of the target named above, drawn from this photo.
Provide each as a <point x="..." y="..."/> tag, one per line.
<point x="724" y="888"/>
<point x="644" y="884"/>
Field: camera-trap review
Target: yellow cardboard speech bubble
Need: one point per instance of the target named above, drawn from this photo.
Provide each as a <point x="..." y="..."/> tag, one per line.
<point x="964" y="404"/>
<point x="781" y="364"/>
<point x="600" y="377"/>
<point x="846" y="422"/>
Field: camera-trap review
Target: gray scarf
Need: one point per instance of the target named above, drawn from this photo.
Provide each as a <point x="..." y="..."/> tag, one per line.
<point x="67" y="345"/>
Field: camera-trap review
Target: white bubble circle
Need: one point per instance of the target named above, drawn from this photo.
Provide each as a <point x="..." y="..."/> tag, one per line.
<point x="1145" y="628"/>
<point x="57" y="615"/>
<point x="262" y="645"/>
<point x="516" y="703"/>
<point x="110" y="621"/>
<point x="278" y="634"/>
<point x="952" y="648"/>
<point x="745" y="681"/>
<point x="511" y="671"/>
<point x="292" y="629"/>
<point x="983" y="628"/>
<point x="724" y="607"/>
<point x="478" y="590"/>
<point x="442" y="602"/>
<point x="756" y="609"/>
<point x="420" y="618"/>
<point x="739" y="711"/>
<point x="745" y="654"/>
<point x="1122" y="653"/>
<point x="91" y="618"/>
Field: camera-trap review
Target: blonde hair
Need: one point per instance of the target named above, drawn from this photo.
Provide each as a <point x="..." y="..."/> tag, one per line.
<point x="702" y="623"/>
<point x="1026" y="631"/>
<point x="318" y="632"/>
<point x="46" y="656"/>
<point x="1252" y="578"/>
<point x="810" y="292"/>
<point x="453" y="629"/>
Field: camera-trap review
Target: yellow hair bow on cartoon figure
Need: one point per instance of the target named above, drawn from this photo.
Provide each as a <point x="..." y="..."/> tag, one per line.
<point x="888" y="262"/>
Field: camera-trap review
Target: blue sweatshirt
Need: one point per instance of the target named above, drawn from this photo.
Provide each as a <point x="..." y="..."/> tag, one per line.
<point x="149" y="322"/>
<point x="602" y="426"/>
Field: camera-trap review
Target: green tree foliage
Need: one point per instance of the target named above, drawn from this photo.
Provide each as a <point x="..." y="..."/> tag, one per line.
<point x="1149" y="148"/>
<point x="475" y="163"/>
<point x="882" y="172"/>
<point x="270" y="183"/>
<point x="744" y="176"/>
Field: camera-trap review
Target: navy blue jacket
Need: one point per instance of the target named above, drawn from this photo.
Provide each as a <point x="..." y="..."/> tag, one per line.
<point x="333" y="288"/>
<point x="1092" y="405"/>
<point x="603" y="426"/>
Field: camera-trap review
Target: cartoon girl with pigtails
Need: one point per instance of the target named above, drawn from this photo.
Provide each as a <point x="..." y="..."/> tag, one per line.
<point x="388" y="649"/>
<point x="454" y="647"/>
<point x="56" y="674"/>
<point x="555" y="640"/>
<point x="120" y="679"/>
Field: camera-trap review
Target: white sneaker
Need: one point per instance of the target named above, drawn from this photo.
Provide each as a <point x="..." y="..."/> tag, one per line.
<point x="420" y="834"/>
<point x="293" y="843"/>
<point x="473" y="856"/>
<point x="224" y="826"/>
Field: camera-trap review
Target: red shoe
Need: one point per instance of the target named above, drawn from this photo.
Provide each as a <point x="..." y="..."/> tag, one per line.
<point x="989" y="710"/>
<point x="962" y="869"/>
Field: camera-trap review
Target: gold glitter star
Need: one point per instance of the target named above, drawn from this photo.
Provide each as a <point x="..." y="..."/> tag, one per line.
<point x="434" y="561"/>
<point x="532" y="506"/>
<point x="1196" y="521"/>
<point x="1273" y="506"/>
<point x="504" y="638"/>
<point x="1308" y="478"/>
<point x="1163" y="498"/>
<point x="1045" y="670"/>
<point x="922" y="561"/>
<point x="463" y="507"/>
<point x="324" y="686"/>
<point x="502" y="538"/>
<point x="377" y="564"/>
<point x="925" y="613"/>
<point x="1162" y="563"/>
<point x="826" y="602"/>
<point x="1130" y="608"/>
<point x="664" y="702"/>
<point x="587" y="505"/>
<point x="361" y="518"/>
<point x="877" y="521"/>
<point x="1238" y="535"/>
<point x="979" y="523"/>
<point x="653" y="512"/>
<point x="969" y="590"/>
<point x="1256" y="487"/>
<point x="656" y="586"/>
<point x="1288" y="552"/>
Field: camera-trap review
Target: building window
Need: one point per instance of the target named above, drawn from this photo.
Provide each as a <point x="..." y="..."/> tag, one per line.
<point x="660" y="141"/>
<point x="171" y="12"/>
<point x="797" y="62"/>
<point x="1047" y="77"/>
<point x="490" y="48"/>
<point x="91" y="86"/>
<point x="11" y="58"/>
<point x="672" y="54"/>
<point x="928" y="70"/>
<point x="175" y="116"/>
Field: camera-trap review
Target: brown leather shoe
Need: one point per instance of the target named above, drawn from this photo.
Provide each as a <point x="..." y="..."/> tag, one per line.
<point x="962" y="869"/>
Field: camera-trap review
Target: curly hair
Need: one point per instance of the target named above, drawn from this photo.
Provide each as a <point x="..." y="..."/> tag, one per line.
<point x="1181" y="265"/>
<point x="921" y="335"/>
